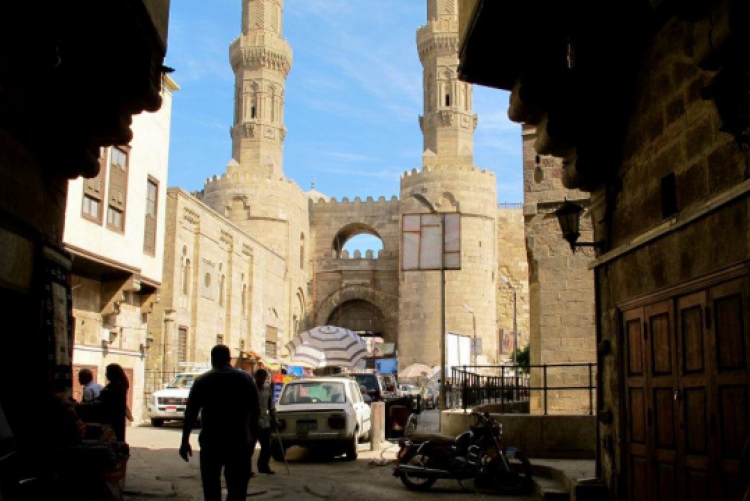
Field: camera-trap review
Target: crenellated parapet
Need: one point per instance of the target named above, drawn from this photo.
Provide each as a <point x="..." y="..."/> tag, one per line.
<point x="446" y="173"/>
<point x="245" y="180"/>
<point x="381" y="204"/>
<point x="261" y="50"/>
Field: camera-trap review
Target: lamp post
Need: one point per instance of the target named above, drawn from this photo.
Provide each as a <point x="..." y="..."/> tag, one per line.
<point x="506" y="281"/>
<point x="474" y="341"/>
<point x="424" y="201"/>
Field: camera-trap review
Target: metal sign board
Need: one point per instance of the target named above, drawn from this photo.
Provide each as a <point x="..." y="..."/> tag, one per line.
<point x="426" y="236"/>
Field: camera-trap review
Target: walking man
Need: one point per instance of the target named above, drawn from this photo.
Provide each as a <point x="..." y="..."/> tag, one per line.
<point x="267" y="421"/>
<point x="228" y="402"/>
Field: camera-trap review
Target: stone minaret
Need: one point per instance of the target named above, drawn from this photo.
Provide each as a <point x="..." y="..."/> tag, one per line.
<point x="261" y="60"/>
<point x="451" y="183"/>
<point x="448" y="122"/>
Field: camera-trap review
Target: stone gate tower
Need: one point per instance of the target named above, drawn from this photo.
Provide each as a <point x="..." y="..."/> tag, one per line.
<point x="254" y="193"/>
<point x="451" y="182"/>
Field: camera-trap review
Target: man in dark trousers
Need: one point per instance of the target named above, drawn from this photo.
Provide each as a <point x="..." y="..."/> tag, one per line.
<point x="267" y="422"/>
<point x="228" y="402"/>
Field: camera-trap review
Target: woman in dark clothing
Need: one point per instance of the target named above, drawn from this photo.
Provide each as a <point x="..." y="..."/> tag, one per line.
<point x="113" y="398"/>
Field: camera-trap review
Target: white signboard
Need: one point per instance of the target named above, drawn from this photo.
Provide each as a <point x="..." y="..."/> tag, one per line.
<point x="458" y="351"/>
<point x="421" y="238"/>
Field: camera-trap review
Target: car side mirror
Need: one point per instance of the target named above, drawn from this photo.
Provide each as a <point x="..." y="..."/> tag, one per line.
<point x="367" y="398"/>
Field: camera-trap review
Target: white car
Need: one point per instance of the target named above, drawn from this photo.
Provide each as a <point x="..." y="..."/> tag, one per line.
<point x="169" y="403"/>
<point x="322" y="411"/>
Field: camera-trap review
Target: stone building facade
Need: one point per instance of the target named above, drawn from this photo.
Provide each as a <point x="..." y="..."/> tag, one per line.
<point x="302" y="234"/>
<point x="667" y="170"/>
<point x="114" y="229"/>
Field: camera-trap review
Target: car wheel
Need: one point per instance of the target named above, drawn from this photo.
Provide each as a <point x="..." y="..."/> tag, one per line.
<point x="350" y="449"/>
<point x="157" y="423"/>
<point x="278" y="453"/>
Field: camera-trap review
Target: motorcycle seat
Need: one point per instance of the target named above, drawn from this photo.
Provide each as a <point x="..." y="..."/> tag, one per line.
<point x="432" y="437"/>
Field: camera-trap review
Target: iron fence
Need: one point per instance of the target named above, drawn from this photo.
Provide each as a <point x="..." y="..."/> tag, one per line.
<point x="505" y="384"/>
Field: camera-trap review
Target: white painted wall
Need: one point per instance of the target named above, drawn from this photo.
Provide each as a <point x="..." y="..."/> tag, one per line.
<point x="149" y="155"/>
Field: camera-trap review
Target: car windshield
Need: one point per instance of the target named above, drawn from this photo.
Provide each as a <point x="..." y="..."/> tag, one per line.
<point x="313" y="392"/>
<point x="368" y="381"/>
<point x="182" y="381"/>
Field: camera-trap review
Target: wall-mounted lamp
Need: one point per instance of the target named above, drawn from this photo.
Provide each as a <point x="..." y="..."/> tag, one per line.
<point x="116" y="307"/>
<point x="113" y="335"/>
<point x="143" y="347"/>
<point x="569" y="217"/>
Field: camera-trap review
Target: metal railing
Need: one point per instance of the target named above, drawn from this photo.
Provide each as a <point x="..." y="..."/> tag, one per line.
<point x="510" y="205"/>
<point x="470" y="386"/>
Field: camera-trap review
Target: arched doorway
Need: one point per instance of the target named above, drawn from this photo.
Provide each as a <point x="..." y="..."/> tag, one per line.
<point x="359" y="316"/>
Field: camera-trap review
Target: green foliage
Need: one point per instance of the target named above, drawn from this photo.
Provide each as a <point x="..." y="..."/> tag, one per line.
<point x="523" y="359"/>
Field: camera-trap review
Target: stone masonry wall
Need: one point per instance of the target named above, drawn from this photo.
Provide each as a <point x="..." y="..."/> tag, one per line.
<point x="216" y="248"/>
<point x="672" y="131"/>
<point x="338" y="278"/>
<point x="472" y="192"/>
<point x="513" y="264"/>
<point x="561" y="287"/>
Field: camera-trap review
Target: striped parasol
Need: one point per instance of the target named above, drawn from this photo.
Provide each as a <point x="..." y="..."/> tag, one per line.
<point x="327" y="346"/>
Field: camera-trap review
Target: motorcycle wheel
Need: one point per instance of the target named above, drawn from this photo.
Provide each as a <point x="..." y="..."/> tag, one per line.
<point x="517" y="480"/>
<point x="415" y="483"/>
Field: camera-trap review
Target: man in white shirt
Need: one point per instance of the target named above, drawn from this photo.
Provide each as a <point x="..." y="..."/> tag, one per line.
<point x="90" y="389"/>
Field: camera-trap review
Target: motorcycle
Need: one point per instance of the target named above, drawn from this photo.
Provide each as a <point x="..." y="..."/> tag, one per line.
<point x="477" y="454"/>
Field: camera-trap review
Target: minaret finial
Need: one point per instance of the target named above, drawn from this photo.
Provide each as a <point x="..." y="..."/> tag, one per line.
<point x="312" y="184"/>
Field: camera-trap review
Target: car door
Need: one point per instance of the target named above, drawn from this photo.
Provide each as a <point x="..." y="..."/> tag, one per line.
<point x="361" y="408"/>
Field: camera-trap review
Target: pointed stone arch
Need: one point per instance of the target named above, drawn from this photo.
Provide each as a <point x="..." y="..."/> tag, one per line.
<point x="386" y="304"/>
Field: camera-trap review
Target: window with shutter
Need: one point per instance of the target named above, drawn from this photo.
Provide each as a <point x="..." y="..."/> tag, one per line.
<point x="118" y="186"/>
<point x="149" y="228"/>
<point x="93" y="192"/>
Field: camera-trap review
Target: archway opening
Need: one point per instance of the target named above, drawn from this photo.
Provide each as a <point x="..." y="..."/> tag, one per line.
<point x="357" y="240"/>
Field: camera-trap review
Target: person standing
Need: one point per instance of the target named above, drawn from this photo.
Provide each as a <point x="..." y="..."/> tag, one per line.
<point x="113" y="400"/>
<point x="227" y="399"/>
<point x="90" y="389"/>
<point x="267" y="421"/>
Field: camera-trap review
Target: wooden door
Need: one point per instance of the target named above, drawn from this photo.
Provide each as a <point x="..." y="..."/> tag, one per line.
<point x="634" y="366"/>
<point x="728" y="421"/>
<point x="129" y="373"/>
<point x="694" y="395"/>
<point x="687" y="395"/>
<point x="661" y="372"/>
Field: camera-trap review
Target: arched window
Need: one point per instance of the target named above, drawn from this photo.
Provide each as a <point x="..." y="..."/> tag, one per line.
<point x="186" y="278"/>
<point x="221" y="291"/>
<point x="447" y="99"/>
<point x="302" y="251"/>
<point x="244" y="299"/>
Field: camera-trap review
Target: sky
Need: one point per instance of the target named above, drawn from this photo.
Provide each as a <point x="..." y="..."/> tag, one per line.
<point x="353" y="98"/>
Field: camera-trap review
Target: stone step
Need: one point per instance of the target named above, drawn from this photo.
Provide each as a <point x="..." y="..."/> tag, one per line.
<point x="549" y="489"/>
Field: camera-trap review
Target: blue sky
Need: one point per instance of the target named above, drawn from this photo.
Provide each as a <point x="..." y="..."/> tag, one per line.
<point x="353" y="97"/>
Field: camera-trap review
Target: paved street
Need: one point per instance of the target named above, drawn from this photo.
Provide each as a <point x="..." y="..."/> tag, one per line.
<point x="156" y="471"/>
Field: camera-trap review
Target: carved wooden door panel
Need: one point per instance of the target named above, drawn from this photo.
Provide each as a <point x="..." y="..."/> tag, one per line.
<point x="728" y="421"/>
<point x="129" y="373"/>
<point x="661" y="415"/>
<point x="634" y="366"/>
<point x="694" y="396"/>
